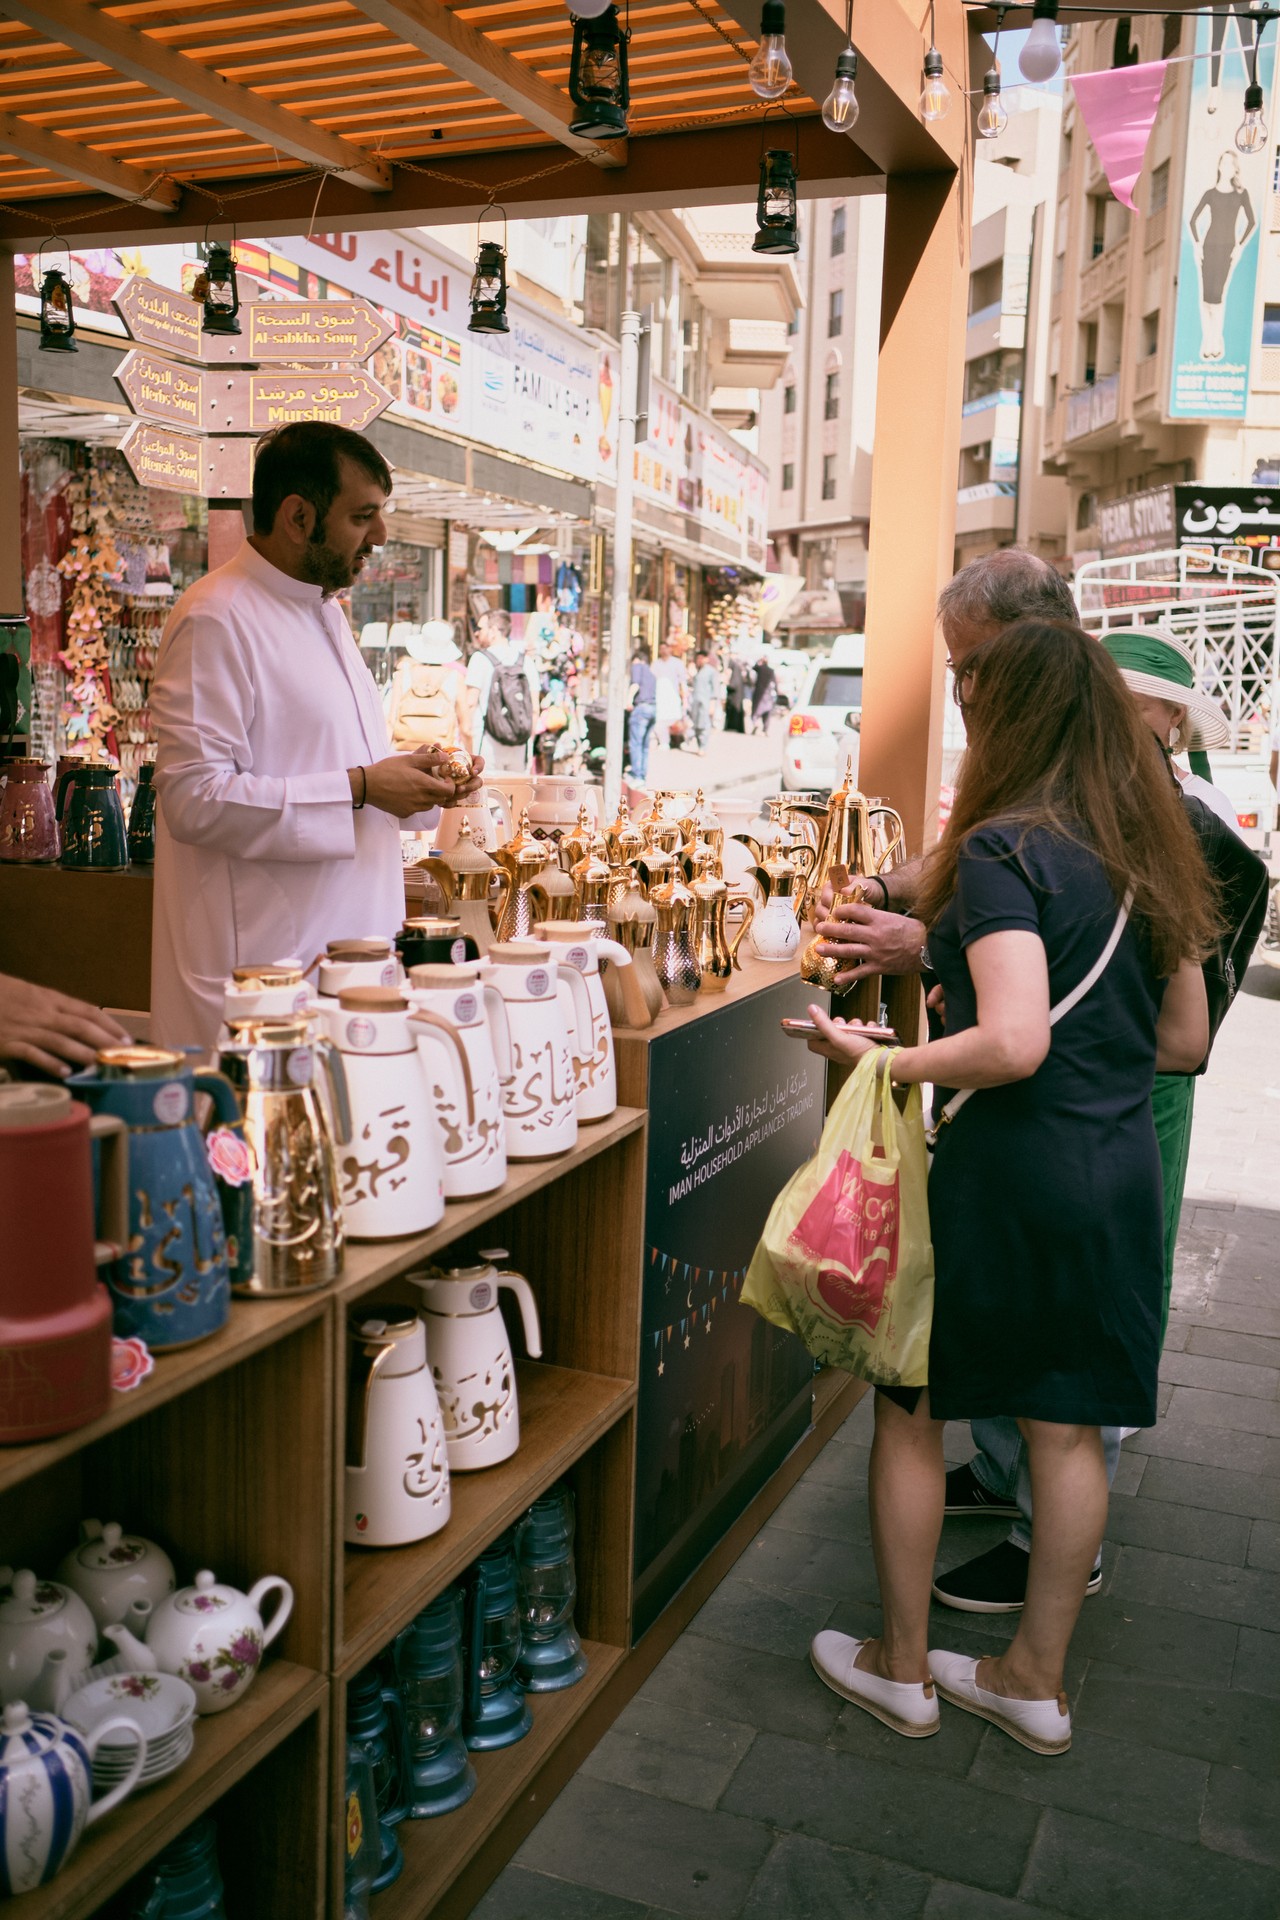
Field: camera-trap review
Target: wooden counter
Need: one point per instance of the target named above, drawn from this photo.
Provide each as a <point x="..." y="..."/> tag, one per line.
<point x="88" y="934"/>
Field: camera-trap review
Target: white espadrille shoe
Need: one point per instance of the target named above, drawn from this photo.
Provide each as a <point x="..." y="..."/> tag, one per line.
<point x="909" y="1707"/>
<point x="1042" y="1725"/>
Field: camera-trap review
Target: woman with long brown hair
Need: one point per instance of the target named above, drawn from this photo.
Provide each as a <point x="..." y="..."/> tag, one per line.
<point x="1067" y="860"/>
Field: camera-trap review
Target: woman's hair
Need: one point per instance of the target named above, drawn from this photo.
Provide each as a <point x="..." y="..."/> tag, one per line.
<point x="1055" y="741"/>
<point x="1231" y="162"/>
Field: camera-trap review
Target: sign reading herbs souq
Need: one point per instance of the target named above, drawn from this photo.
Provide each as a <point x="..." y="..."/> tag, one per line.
<point x="1224" y="196"/>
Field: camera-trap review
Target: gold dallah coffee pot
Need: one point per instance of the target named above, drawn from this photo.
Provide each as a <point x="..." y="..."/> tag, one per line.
<point x="863" y="836"/>
<point x="519" y="863"/>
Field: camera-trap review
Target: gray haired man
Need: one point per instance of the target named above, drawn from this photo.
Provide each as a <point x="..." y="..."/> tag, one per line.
<point x="983" y="598"/>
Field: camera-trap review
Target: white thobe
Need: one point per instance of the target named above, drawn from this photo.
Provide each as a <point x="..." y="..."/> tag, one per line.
<point x="260" y="703"/>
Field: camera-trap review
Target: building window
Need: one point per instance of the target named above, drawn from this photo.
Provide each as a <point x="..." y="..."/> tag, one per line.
<point x="1089" y="353"/>
<point x="1085" y="509"/>
<point x="828" y="476"/>
<point x="835" y="312"/>
<point x="837" y="231"/>
<point x="993" y="373"/>
<point x="1171" y="39"/>
<point x="793" y="326"/>
<point x="1124" y="52"/>
<point x="788" y="476"/>
<point x="1053" y="392"/>
<point x="1271" y="326"/>
<point x="788" y="399"/>
<point x="1064" y="156"/>
<point x="831" y="397"/>
<point x="1158" y="192"/>
<point x="1097" y="224"/>
<point x="1150" y="334"/>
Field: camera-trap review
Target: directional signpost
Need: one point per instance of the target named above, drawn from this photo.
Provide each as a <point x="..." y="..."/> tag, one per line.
<point x="227" y="395"/>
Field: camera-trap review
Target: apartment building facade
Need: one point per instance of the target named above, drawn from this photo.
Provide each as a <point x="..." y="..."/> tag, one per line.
<point x="1163" y="343"/>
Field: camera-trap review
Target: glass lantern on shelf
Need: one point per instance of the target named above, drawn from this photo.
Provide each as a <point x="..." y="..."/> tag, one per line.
<point x="428" y="1661"/>
<point x="375" y="1722"/>
<point x="551" y="1655"/>
<point x="361" y="1850"/>
<point x="495" y="1713"/>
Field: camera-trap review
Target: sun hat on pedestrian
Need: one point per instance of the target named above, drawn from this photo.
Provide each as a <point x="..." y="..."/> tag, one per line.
<point x="1152" y="661"/>
<point x="433" y="645"/>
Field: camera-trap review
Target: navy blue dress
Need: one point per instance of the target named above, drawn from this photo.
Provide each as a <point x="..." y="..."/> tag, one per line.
<point x="1045" y="1196"/>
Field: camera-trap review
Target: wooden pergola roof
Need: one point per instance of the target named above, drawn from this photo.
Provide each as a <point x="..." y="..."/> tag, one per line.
<point x="151" y="116"/>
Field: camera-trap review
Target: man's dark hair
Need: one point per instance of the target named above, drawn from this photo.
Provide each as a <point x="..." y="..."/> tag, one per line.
<point x="1001" y="587"/>
<point x="306" y="458"/>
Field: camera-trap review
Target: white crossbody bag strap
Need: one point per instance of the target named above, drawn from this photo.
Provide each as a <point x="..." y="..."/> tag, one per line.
<point x="1063" y="1007"/>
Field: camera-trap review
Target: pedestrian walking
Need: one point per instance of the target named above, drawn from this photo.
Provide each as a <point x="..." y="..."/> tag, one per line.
<point x="764" y="695"/>
<point x="735" y="696"/>
<point x="503" y="677"/>
<point x="644" y="709"/>
<point x="704" y="698"/>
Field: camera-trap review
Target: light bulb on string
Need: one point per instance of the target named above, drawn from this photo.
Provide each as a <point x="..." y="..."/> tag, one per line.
<point x="993" y="116"/>
<point x="1041" y="55"/>
<point x="1251" y="134"/>
<point x="770" y="69"/>
<point x="935" y="98"/>
<point x="588" y="9"/>
<point x="840" y="108"/>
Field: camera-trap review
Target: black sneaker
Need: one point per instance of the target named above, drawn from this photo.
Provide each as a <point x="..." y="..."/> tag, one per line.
<point x="995" y="1582"/>
<point x="966" y="1494"/>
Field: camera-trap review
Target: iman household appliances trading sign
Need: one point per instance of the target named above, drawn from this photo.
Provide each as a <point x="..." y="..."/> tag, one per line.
<point x="1225" y="198"/>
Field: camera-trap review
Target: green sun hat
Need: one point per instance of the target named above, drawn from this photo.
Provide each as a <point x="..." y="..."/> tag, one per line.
<point x="1152" y="661"/>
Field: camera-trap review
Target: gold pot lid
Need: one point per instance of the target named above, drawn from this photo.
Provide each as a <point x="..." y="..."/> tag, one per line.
<point x="358" y="950"/>
<point x="671" y="893"/>
<point x="268" y="1030"/>
<point x="700" y="816"/>
<point x="524" y="855"/>
<point x="633" y="904"/>
<point x="257" y="979"/>
<point x="463" y="973"/>
<point x="520" y="953"/>
<point x="373" y="1000"/>
<point x="622" y="836"/>
<point x="581" y="931"/>
<point x="443" y="926"/>
<point x="465" y="856"/>
<point x="146" y="1063"/>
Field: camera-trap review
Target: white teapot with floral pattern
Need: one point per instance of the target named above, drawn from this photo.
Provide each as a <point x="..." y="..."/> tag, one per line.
<point x="213" y="1637"/>
<point x="110" y="1569"/>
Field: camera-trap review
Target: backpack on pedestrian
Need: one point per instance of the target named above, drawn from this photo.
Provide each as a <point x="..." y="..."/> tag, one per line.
<point x="508" y="714"/>
<point x="424" y="706"/>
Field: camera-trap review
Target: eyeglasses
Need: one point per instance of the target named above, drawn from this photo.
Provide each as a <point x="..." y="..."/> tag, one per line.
<point x="962" y="685"/>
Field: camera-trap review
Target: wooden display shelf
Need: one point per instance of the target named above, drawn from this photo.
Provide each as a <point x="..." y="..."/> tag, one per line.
<point x="563" y="1412"/>
<point x="227" y="1746"/>
<point x="372" y="1262"/>
<point x="436" y="1851"/>
<point x="253" y="1325"/>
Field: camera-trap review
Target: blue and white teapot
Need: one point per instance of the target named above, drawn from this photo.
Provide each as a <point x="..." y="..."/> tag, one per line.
<point x="46" y="1791"/>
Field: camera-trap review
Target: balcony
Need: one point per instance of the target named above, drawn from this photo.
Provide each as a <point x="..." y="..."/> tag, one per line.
<point x="1104" y="277"/>
<point x="1156" y="227"/>
<point x="747" y="353"/>
<point x="1146" y="378"/>
<point x="989" y="507"/>
<point x="1090" y="409"/>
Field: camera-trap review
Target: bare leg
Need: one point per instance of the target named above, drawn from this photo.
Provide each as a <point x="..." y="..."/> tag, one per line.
<point x="1069" y="1495"/>
<point x="907" y="1489"/>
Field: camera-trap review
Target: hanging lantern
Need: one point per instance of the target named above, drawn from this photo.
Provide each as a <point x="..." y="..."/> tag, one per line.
<point x="57" y="315"/>
<point x="218" y="288"/>
<point x="598" y="84"/>
<point x="489" y="286"/>
<point x="776" y="204"/>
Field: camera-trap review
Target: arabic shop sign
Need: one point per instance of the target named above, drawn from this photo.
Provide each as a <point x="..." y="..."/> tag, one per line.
<point x="255" y="402"/>
<point x="1137" y="522"/>
<point x="189" y="463"/>
<point x="1236" y="523"/>
<point x="159" y="317"/>
<point x="161" y="389"/>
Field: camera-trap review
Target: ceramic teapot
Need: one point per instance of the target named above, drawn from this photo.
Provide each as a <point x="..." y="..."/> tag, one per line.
<point x="392" y="1169"/>
<point x="467" y="1093"/>
<point x="558" y="798"/>
<point x="548" y="1030"/>
<point x="28" y="821"/>
<point x="775" y="932"/>
<point x="172" y="1285"/>
<point x="471" y="1360"/>
<point x="578" y="943"/>
<point x="46" y="1791"/>
<point x="48" y="1637"/>
<point x="358" y="963"/>
<point x="487" y="822"/>
<point x="212" y="1636"/>
<point x="110" y="1569"/>
<point x="397" y="1472"/>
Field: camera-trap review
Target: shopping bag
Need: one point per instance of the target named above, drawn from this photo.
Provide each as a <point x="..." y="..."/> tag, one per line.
<point x="846" y="1261"/>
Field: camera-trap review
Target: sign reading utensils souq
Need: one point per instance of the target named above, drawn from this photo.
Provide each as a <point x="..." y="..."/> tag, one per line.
<point x="189" y="463"/>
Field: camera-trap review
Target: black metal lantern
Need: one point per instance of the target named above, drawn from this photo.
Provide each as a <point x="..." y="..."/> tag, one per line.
<point x="218" y="288"/>
<point x="57" y="314"/>
<point x="776" y="204"/>
<point x="489" y="288"/>
<point x="598" y="84"/>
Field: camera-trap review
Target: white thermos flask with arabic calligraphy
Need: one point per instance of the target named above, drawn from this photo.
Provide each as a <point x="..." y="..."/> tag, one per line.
<point x="392" y="1169"/>
<point x="471" y="1361"/>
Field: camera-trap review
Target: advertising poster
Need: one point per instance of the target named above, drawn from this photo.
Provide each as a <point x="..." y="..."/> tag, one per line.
<point x="735" y="1107"/>
<point x="1236" y="524"/>
<point x="1224" y="198"/>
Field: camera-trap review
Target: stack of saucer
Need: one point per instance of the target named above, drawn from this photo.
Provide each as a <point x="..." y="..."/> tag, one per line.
<point x="159" y="1703"/>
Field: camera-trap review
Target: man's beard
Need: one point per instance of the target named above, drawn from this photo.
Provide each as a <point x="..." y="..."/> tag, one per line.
<point x="323" y="566"/>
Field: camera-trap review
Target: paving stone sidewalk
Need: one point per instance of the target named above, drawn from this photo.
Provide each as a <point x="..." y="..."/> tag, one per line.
<point x="736" y="1785"/>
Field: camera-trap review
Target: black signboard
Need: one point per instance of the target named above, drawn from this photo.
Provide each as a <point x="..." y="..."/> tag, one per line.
<point x="734" y="1108"/>
<point x="1230" y="523"/>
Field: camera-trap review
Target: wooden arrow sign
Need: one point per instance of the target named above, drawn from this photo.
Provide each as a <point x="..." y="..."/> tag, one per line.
<point x="159" y="317"/>
<point x="189" y="463"/>
<point x="255" y="402"/>
<point x="299" y="330"/>
<point x="163" y="389"/>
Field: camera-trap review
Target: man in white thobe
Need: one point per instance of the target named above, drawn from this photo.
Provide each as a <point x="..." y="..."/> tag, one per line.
<point x="280" y="802"/>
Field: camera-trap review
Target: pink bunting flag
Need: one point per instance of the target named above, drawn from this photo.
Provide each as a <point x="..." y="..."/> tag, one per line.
<point x="1119" y="110"/>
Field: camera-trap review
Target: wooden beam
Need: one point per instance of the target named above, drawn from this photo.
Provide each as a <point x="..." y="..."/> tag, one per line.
<point x="924" y="296"/>
<point x="75" y="161"/>
<point x="891" y="40"/>
<point x="446" y="37"/>
<point x="139" y="57"/>
<point x="661" y="172"/>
